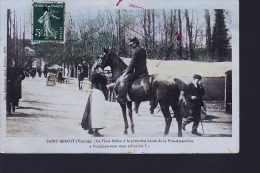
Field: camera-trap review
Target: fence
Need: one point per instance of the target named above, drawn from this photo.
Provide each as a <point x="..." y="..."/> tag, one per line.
<point x="214" y="87"/>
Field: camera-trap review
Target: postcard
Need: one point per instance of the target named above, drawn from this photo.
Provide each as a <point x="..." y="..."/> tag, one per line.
<point x="119" y="76"/>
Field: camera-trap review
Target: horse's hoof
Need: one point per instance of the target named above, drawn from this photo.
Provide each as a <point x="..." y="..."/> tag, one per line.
<point x="125" y="132"/>
<point x="179" y="134"/>
<point x="165" y="135"/>
<point x="133" y="131"/>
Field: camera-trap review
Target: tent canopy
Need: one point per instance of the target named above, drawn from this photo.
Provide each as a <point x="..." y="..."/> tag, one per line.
<point x="55" y="66"/>
<point x="186" y="68"/>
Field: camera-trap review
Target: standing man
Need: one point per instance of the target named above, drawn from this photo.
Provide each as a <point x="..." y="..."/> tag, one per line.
<point x="137" y="68"/>
<point x="19" y="76"/>
<point x="45" y="71"/>
<point x="14" y="87"/>
<point x="193" y="94"/>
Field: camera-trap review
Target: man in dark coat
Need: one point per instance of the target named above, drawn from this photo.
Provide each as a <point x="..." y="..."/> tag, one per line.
<point x="19" y="76"/>
<point x="193" y="95"/>
<point x="15" y="75"/>
<point x="45" y="71"/>
<point x="136" y="69"/>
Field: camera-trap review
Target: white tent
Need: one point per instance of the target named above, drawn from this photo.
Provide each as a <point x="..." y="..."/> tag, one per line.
<point x="55" y="66"/>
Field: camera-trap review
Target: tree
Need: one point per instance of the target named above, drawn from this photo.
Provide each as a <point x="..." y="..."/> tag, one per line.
<point x="208" y="33"/>
<point x="189" y="27"/>
<point x="180" y="32"/>
<point x="220" y="38"/>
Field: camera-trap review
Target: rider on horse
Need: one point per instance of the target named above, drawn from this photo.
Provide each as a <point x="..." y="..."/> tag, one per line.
<point x="136" y="69"/>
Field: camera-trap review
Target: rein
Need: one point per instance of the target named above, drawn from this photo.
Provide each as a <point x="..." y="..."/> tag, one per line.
<point x="114" y="78"/>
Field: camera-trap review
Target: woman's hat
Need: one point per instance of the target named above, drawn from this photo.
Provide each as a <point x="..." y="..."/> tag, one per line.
<point x="196" y="76"/>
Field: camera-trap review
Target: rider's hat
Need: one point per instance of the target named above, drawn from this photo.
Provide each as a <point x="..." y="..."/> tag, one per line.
<point x="133" y="40"/>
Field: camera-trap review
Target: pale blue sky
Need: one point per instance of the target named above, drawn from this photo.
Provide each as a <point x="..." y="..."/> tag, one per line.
<point x="82" y="8"/>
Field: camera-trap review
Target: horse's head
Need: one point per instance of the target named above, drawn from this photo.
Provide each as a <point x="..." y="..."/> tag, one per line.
<point x="107" y="57"/>
<point x="110" y="58"/>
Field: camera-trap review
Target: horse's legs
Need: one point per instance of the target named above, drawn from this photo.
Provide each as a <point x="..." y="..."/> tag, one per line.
<point x="178" y="116"/>
<point x="137" y="104"/>
<point x="110" y="94"/>
<point x="129" y="106"/>
<point x="153" y="104"/>
<point x="113" y="96"/>
<point x="123" y="106"/>
<point x="167" y="116"/>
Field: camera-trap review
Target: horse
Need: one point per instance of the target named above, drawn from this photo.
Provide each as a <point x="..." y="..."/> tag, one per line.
<point x="160" y="87"/>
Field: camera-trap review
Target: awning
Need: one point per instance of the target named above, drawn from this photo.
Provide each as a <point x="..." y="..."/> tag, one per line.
<point x="55" y="66"/>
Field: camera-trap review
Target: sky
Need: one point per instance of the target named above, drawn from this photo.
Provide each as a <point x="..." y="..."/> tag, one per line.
<point x="77" y="9"/>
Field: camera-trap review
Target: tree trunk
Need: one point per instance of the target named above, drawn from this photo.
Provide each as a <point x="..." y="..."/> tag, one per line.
<point x="119" y="32"/>
<point x="153" y="33"/>
<point x="9" y="39"/>
<point x="172" y="27"/>
<point x="145" y="30"/>
<point x="180" y="33"/>
<point x="20" y="45"/>
<point x="189" y="30"/>
<point x="208" y="33"/>
<point x="149" y="23"/>
<point x="165" y="27"/>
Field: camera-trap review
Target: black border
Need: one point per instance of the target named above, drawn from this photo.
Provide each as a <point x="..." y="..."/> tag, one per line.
<point x="246" y="161"/>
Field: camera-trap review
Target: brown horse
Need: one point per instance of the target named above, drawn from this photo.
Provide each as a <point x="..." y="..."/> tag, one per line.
<point x="161" y="87"/>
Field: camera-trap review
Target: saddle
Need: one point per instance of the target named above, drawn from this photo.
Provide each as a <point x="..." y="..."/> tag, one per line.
<point x="142" y="75"/>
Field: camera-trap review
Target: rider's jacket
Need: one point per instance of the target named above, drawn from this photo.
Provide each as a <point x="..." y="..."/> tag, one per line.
<point x="137" y="65"/>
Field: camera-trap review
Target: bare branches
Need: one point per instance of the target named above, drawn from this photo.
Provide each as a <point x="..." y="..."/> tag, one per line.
<point x="155" y="29"/>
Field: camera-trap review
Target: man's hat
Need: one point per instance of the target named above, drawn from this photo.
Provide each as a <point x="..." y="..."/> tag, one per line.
<point x="133" y="40"/>
<point x="196" y="76"/>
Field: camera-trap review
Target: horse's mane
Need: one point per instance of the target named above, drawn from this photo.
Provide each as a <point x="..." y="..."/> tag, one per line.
<point x="120" y="63"/>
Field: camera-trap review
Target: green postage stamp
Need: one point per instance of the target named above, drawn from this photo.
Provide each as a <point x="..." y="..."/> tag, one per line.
<point x="48" y="22"/>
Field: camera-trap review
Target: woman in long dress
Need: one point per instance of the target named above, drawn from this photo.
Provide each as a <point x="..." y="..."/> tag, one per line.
<point x="48" y="31"/>
<point x="94" y="116"/>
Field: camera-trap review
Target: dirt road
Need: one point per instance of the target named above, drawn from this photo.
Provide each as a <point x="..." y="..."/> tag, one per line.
<point x="47" y="111"/>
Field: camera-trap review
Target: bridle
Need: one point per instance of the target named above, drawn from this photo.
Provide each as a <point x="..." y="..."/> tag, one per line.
<point x="105" y="58"/>
<point x="101" y="64"/>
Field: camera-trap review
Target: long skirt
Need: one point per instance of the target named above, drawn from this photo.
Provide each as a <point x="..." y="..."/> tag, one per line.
<point x="94" y="114"/>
